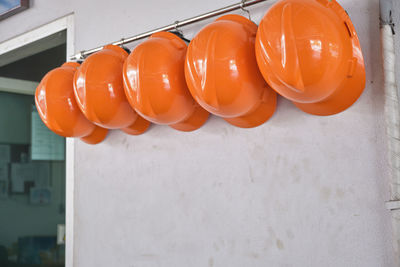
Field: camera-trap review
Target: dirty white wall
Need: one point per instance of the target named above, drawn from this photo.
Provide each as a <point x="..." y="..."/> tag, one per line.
<point x="299" y="190"/>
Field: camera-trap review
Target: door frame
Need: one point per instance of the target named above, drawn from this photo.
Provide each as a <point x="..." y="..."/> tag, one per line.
<point x="64" y="23"/>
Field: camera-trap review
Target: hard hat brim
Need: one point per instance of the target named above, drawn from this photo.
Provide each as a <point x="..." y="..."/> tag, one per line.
<point x="97" y="136"/>
<point x="138" y="127"/>
<point x="194" y="122"/>
<point x="260" y="115"/>
<point x="344" y="96"/>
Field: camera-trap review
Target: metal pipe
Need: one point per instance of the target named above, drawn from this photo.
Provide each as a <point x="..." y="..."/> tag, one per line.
<point x="175" y="25"/>
<point x="392" y="117"/>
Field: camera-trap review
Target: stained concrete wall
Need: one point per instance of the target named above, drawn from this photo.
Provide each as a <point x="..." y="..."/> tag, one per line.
<point x="299" y="190"/>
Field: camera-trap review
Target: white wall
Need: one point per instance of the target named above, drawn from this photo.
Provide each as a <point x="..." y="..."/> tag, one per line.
<point x="299" y="190"/>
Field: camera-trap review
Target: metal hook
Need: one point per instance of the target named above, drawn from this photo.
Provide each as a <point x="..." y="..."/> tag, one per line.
<point x="179" y="32"/>
<point x="121" y="43"/>
<point x="242" y="4"/>
<point x="177" y="27"/>
<point x="80" y="55"/>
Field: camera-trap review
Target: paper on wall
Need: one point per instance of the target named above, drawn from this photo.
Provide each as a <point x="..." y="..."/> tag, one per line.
<point x="3" y="181"/>
<point x="40" y="196"/>
<point x="46" y="145"/>
<point x="5" y="154"/>
<point x="3" y="171"/>
<point x="37" y="172"/>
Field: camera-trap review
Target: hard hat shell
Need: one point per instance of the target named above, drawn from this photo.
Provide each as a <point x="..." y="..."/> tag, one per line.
<point x="56" y="105"/>
<point x="309" y="52"/>
<point x="99" y="91"/>
<point x="222" y="73"/>
<point x="155" y="85"/>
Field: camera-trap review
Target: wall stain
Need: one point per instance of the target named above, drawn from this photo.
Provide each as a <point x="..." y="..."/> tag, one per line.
<point x="325" y="193"/>
<point x="216" y="248"/>
<point x="271" y="231"/>
<point x="148" y="255"/>
<point x="125" y="142"/>
<point x="279" y="244"/>
<point x="211" y="262"/>
<point x="268" y="245"/>
<point x="289" y="234"/>
<point x="340" y="192"/>
<point x="251" y="175"/>
<point x="254" y="255"/>
<point x="296" y="179"/>
<point x="331" y="211"/>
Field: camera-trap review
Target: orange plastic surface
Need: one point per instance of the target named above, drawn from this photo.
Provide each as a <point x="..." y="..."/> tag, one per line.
<point x="100" y="95"/>
<point x="155" y="83"/>
<point x="58" y="109"/>
<point x="222" y="73"/>
<point x="309" y="52"/>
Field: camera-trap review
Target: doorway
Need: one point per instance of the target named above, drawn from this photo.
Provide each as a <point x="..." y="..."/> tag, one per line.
<point x="36" y="166"/>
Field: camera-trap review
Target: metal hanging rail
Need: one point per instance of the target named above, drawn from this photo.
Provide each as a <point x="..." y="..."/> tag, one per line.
<point x="241" y="5"/>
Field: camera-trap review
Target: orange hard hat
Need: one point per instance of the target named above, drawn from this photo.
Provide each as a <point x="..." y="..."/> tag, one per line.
<point x="308" y="51"/>
<point x="100" y="94"/>
<point x="155" y="85"/>
<point x="222" y="73"/>
<point x="58" y="109"/>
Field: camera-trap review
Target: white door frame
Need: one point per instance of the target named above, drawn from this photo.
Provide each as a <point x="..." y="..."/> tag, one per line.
<point x="64" y="23"/>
